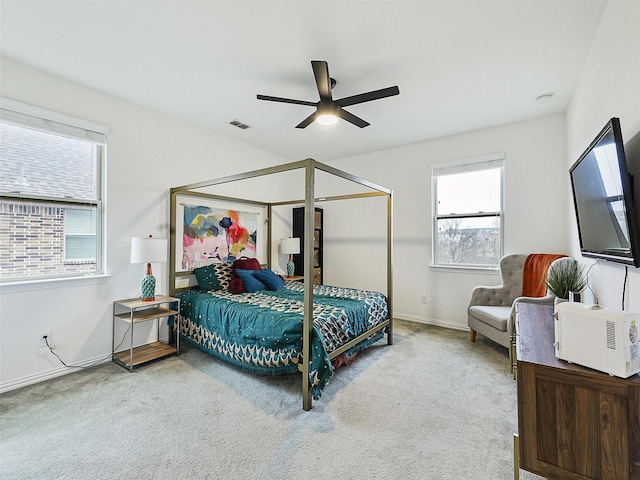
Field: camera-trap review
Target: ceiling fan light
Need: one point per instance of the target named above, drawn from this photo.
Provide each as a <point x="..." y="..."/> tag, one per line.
<point x="327" y="119"/>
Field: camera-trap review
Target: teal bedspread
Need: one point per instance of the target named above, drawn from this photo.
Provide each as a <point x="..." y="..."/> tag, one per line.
<point x="262" y="332"/>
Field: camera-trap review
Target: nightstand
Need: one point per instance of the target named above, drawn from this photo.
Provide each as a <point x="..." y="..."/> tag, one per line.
<point x="298" y="278"/>
<point x="133" y="311"/>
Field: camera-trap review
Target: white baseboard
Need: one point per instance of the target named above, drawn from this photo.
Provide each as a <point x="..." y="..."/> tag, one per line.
<point x="53" y="373"/>
<point x="430" y="321"/>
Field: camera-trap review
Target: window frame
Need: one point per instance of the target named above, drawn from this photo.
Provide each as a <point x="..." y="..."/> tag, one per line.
<point x="479" y="163"/>
<point x="37" y="118"/>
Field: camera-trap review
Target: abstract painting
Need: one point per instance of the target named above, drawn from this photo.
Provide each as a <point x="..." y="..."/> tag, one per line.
<point x="213" y="235"/>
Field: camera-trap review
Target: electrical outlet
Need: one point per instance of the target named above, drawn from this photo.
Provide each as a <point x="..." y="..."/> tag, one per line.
<point x="42" y="343"/>
<point x="423" y="299"/>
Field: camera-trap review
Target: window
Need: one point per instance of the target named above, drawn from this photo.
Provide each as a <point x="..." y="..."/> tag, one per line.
<point x="51" y="182"/>
<point x="468" y="212"/>
<point x="80" y="234"/>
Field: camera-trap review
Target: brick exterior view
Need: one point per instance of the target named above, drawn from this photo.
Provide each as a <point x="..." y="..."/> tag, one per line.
<point x="32" y="241"/>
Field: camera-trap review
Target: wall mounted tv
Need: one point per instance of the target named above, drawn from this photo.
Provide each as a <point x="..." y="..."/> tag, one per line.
<point x="603" y="196"/>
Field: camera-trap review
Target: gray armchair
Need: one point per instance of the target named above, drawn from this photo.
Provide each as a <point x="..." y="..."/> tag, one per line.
<point x="491" y="309"/>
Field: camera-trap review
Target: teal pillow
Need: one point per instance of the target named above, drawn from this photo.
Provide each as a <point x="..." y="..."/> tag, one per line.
<point x="272" y="280"/>
<point x="251" y="283"/>
<point x="207" y="278"/>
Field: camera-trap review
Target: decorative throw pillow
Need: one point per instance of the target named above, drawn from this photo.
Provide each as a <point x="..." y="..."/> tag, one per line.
<point x="245" y="263"/>
<point x="207" y="278"/>
<point x="223" y="272"/>
<point x="272" y="280"/>
<point x="236" y="285"/>
<point x="251" y="283"/>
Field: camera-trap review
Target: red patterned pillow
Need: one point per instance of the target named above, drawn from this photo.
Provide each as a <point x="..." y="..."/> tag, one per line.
<point x="244" y="263"/>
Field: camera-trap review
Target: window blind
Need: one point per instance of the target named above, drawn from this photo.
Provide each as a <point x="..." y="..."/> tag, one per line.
<point x="468" y="165"/>
<point x="40" y="119"/>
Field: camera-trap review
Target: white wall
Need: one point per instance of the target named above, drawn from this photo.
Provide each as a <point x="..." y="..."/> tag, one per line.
<point x="609" y="86"/>
<point x="535" y="215"/>
<point x="147" y="154"/>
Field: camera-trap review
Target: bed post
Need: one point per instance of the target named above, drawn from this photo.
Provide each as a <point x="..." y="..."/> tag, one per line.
<point x="172" y="243"/>
<point x="307" y="327"/>
<point x="390" y="265"/>
<point x="269" y="233"/>
<point x="173" y="332"/>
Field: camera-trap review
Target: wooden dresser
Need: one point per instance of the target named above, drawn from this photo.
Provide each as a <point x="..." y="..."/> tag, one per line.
<point x="573" y="422"/>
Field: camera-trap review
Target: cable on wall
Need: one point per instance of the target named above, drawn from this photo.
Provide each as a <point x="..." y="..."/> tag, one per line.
<point x="98" y="362"/>
<point x="595" y="297"/>
<point x="624" y="284"/>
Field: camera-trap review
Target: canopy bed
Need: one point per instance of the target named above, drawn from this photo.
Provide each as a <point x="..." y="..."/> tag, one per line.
<point x="293" y="326"/>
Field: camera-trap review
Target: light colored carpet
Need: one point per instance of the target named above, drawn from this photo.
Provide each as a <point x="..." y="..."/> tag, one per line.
<point x="431" y="406"/>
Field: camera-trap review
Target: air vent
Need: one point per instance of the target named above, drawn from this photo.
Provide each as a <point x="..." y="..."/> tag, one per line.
<point x="238" y="124"/>
<point x="611" y="335"/>
<point x="633" y="334"/>
<point x="634" y="364"/>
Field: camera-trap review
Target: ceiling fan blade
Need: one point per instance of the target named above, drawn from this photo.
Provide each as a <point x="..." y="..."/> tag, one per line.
<point x="321" y="72"/>
<point x="369" y="96"/>
<point x="351" y="118"/>
<point x="287" y="100"/>
<point x="308" y="121"/>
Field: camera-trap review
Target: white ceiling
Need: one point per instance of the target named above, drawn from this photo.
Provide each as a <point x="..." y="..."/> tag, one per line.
<point x="460" y="65"/>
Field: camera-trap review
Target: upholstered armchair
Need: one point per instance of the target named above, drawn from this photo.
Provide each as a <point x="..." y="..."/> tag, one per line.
<point x="491" y="309"/>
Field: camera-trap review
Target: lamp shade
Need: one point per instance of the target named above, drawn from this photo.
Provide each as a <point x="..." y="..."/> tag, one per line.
<point x="290" y="246"/>
<point x="148" y="250"/>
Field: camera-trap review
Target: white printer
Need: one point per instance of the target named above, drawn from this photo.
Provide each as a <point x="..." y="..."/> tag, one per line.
<point x="597" y="337"/>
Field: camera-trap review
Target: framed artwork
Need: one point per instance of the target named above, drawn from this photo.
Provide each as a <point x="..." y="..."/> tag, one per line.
<point x="208" y="231"/>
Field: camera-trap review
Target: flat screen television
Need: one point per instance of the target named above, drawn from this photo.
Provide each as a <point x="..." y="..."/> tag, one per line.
<point x="603" y="197"/>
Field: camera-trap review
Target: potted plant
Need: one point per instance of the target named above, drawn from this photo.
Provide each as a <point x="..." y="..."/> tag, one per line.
<point x="566" y="276"/>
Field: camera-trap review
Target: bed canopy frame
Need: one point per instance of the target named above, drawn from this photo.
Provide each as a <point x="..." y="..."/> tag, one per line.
<point x="310" y="167"/>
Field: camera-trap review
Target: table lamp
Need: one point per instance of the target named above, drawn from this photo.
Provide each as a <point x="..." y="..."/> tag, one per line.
<point x="291" y="247"/>
<point x="148" y="250"/>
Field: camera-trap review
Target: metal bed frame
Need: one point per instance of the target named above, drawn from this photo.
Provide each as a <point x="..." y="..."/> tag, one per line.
<point x="310" y="166"/>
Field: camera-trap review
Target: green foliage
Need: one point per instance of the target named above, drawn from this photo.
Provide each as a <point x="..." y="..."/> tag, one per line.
<point x="564" y="277"/>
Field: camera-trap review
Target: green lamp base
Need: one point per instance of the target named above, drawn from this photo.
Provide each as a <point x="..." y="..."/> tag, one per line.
<point x="148" y="285"/>
<point x="291" y="268"/>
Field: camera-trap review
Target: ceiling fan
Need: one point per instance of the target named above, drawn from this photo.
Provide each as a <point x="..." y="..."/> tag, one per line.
<point x="327" y="109"/>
